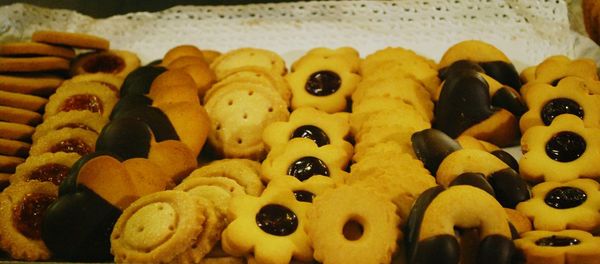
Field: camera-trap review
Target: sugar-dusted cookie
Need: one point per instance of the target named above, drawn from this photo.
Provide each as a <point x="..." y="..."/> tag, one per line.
<point x="347" y="221"/>
<point x="20" y="49"/>
<point x="47" y="167"/>
<point x="76" y="40"/>
<point x="271" y="227"/>
<point x="567" y="246"/>
<point x="303" y="158"/>
<point x="563" y="151"/>
<point x="22" y="206"/>
<point x="83" y="119"/>
<point x="234" y="59"/>
<point x="68" y="140"/>
<point x="557" y="206"/>
<point x="33" y="64"/>
<point x="307" y="122"/>
<point x="243" y="171"/>
<point x="30" y="85"/>
<point x="117" y="62"/>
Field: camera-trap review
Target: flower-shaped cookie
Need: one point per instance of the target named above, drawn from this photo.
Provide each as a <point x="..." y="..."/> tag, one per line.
<point x="571" y="205"/>
<point x="324" y="83"/>
<point x="563" y="151"/>
<point x="307" y="122"/>
<point x="567" y="246"/>
<point x="347" y="53"/>
<point x="305" y="191"/>
<point x="546" y="102"/>
<point x="557" y="67"/>
<point x="270" y="226"/>
<point x="303" y="158"/>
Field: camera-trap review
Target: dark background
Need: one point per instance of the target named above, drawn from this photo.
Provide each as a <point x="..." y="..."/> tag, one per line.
<point x="106" y="8"/>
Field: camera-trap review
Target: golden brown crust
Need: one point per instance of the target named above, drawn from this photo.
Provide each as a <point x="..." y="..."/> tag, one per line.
<point x="9" y="163"/>
<point x="501" y="129"/>
<point x="173" y="86"/>
<point x="15" y="131"/>
<point x="40" y="85"/>
<point x="22" y="101"/>
<point x="77" y="40"/>
<point x="34" y="64"/>
<point x="14" y="147"/>
<point x="19" y="116"/>
<point x="181" y="51"/>
<point x="32" y="48"/>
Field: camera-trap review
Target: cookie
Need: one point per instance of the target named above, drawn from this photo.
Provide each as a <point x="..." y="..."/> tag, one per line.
<point x="30" y="49"/>
<point x="411" y="120"/>
<point x="22" y="101"/>
<point x="109" y="80"/>
<point x="349" y="54"/>
<point x="173" y="86"/>
<point x="19" y="116"/>
<point x="198" y="69"/>
<point x="519" y="221"/>
<point x="80" y="96"/>
<point x="307" y="122"/>
<point x="23" y="206"/>
<point x="555" y="68"/>
<point x="181" y="51"/>
<point x="590" y="19"/>
<point x="303" y="158"/>
<point x="304" y="191"/>
<point x="33" y="64"/>
<point x="244" y="172"/>
<point x="68" y="140"/>
<point x="117" y="62"/>
<point x="4" y="180"/>
<point x="259" y="75"/>
<point x="271" y="227"/>
<point x="47" y="167"/>
<point x="14" y="148"/>
<point x="558" y="206"/>
<point x="563" y="151"/>
<point x="567" y="246"/>
<point x="76" y="40"/>
<point x="210" y="55"/>
<point x="73" y="119"/>
<point x="218" y="190"/>
<point x="31" y="85"/>
<point x="157" y="227"/>
<point x="15" y="131"/>
<point x="261" y="58"/>
<point x="546" y="103"/>
<point x="9" y="163"/>
<point x="345" y="221"/>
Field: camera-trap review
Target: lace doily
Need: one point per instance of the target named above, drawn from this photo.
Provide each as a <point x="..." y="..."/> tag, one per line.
<point x="526" y="30"/>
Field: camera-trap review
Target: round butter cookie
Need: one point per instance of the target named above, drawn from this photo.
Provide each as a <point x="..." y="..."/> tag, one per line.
<point x="117" y="62"/>
<point x="73" y="119"/>
<point x="76" y="40"/>
<point x="47" y="167"/>
<point x="33" y="64"/>
<point x="41" y="85"/>
<point x="243" y="171"/>
<point x="89" y="96"/>
<point x="261" y="58"/>
<point x="25" y="49"/>
<point x="68" y="140"/>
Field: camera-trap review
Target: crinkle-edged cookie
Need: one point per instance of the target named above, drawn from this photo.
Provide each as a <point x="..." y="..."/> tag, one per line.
<point x="83" y="119"/>
<point x="112" y="81"/>
<point x="349" y="54"/>
<point x="90" y="96"/>
<point x="47" y="167"/>
<point x="218" y="190"/>
<point x="68" y="140"/>
<point x="117" y="62"/>
<point x="259" y="75"/>
<point x="304" y="191"/>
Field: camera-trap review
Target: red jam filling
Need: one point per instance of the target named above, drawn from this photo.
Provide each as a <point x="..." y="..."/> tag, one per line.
<point x="53" y="172"/>
<point x="107" y="63"/>
<point x="28" y="215"/>
<point x="82" y="102"/>
<point x="73" y="145"/>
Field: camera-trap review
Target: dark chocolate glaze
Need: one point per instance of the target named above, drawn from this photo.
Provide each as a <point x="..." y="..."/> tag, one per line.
<point x="506" y="158"/>
<point x="464" y="101"/>
<point x="161" y="126"/>
<point x="306" y="167"/>
<point x="432" y="146"/>
<point x="69" y="184"/>
<point x="128" y="103"/>
<point x="441" y="249"/>
<point x="154" y="62"/>
<point x="496" y="249"/>
<point x="125" y="137"/>
<point x="77" y="226"/>
<point x="513" y="231"/>
<point x="503" y="72"/>
<point x="509" y="187"/>
<point x="313" y="133"/>
<point x="509" y="100"/>
<point x="139" y="80"/>
<point x="474" y="179"/>
<point x="458" y="66"/>
<point x="413" y="223"/>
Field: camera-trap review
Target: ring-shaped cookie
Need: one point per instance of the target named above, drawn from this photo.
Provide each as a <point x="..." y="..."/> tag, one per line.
<point x="473" y="50"/>
<point x="310" y="123"/>
<point x="91" y="96"/>
<point x="546" y="102"/>
<point x="22" y="206"/>
<point x="68" y="140"/>
<point x="117" y="62"/>
<point x="557" y="206"/>
<point x="270" y="226"/>
<point x="74" y="119"/>
<point x="347" y="221"/>
<point x="50" y="167"/>
<point x="573" y="148"/>
<point x="324" y="84"/>
<point x="303" y="158"/>
<point x="566" y="246"/>
<point x="157" y="227"/>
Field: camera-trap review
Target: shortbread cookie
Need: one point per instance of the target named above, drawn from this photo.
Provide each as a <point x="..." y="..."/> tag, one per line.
<point x="519" y="221"/>
<point x="346" y="221"/>
<point x="198" y="69"/>
<point x="110" y="80"/>
<point x="173" y="86"/>
<point x="30" y="49"/>
<point x="565" y="150"/>
<point x="271" y="227"/>
<point x="15" y="131"/>
<point x="349" y="54"/>
<point x="117" y="62"/>
<point x="73" y="119"/>
<point x="19" y="116"/>
<point x="14" y="148"/>
<point x="242" y="171"/>
<point x="68" y="140"/>
<point x="570" y="205"/>
<point x="22" y="101"/>
<point x="76" y="40"/>
<point x="181" y="51"/>
<point x="22" y="206"/>
<point x="401" y="117"/>
<point x="33" y="64"/>
<point x="9" y="163"/>
<point x="234" y="59"/>
<point x="262" y="76"/>
<point x="554" y="68"/>
<point x="34" y="85"/>
<point x="157" y="227"/>
<point x="218" y="190"/>
<point x="567" y="246"/>
<point x="304" y="191"/>
<point x="47" y="167"/>
<point x="89" y="96"/>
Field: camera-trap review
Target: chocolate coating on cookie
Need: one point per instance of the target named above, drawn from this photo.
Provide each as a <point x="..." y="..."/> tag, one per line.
<point x="509" y="100"/>
<point x="506" y="158"/>
<point x="139" y="80"/>
<point x="415" y="218"/>
<point x="438" y="249"/>
<point x="157" y="120"/>
<point x="431" y="147"/>
<point x="458" y="66"/>
<point x="503" y="72"/>
<point x="128" y="103"/>
<point x="125" y="137"/>
<point x="509" y="187"/>
<point x="474" y="179"/>
<point x="496" y="249"/>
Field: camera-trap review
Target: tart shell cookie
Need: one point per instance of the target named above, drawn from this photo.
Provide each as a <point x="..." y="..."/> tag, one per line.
<point x="157" y="227"/>
<point x="345" y="222"/>
<point x="571" y="205"/>
<point x="77" y="40"/>
<point x="567" y="246"/>
<point x="73" y="119"/>
<point x="22" y="206"/>
<point x="68" y="140"/>
<point x="117" y="62"/>
<point x="48" y="167"/>
<point x="17" y="49"/>
<point x="218" y="190"/>
<point x="90" y="96"/>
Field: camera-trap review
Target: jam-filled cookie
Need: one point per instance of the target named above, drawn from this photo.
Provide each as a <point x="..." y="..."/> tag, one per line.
<point x="557" y="206"/>
<point x="90" y="96"/>
<point x="117" y="62"/>
<point x="22" y="206"/>
<point x="242" y="57"/>
<point x="431" y="227"/>
<point x="305" y="191"/>
<point x="271" y="227"/>
<point x="47" y="167"/>
<point x="303" y="158"/>
<point x="546" y="103"/>
<point x="307" y="122"/>
<point x="347" y="221"/>
<point x="83" y="119"/>
<point x="563" y="151"/>
<point x="555" y="68"/>
<point x="322" y="82"/>
<point x="109" y="80"/>
<point x="244" y="172"/>
<point x="70" y="140"/>
<point x="567" y="246"/>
